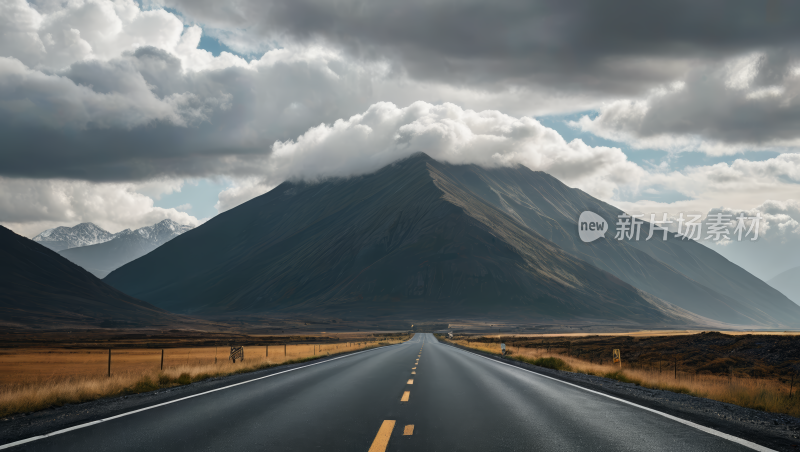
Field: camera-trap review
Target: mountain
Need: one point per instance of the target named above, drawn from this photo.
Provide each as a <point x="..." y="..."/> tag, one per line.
<point x="41" y="289"/>
<point x="682" y="272"/>
<point x="102" y="258"/>
<point x="408" y="241"/>
<point x="63" y="237"/>
<point x="788" y="283"/>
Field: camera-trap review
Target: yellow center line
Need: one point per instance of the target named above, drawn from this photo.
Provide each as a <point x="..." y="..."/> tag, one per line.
<point x="409" y="430"/>
<point x="405" y="397"/>
<point x="413" y="368"/>
<point x="413" y="372"/>
<point x="410" y="382"/>
<point x="382" y="438"/>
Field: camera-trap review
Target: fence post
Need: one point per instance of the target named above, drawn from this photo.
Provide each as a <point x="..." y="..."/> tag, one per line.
<point x="676" y="368"/>
<point x="284" y="350"/>
<point x="162" y="359"/>
<point x="109" y="362"/>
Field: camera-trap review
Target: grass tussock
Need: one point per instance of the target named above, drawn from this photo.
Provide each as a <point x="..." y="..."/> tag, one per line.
<point x="61" y="390"/>
<point x="761" y="394"/>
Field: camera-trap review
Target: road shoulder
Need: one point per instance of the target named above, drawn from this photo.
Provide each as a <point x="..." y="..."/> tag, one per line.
<point x="776" y="431"/>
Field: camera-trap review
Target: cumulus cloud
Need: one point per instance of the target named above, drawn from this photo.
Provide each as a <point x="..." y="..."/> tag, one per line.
<point x="747" y="103"/>
<point x="30" y="206"/>
<point x="385" y="133"/>
<point x="742" y="184"/>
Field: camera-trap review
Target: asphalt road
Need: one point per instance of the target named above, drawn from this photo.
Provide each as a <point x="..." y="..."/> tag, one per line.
<point x="456" y="401"/>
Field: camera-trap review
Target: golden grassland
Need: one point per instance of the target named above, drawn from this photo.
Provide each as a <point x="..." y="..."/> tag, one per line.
<point x="35" y="379"/>
<point x="761" y="394"/>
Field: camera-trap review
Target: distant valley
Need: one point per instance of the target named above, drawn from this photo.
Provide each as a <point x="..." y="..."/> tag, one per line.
<point x="100" y="252"/>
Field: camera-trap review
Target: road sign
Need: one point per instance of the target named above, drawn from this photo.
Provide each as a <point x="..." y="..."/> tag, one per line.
<point x="502" y="348"/>
<point x="617" y="358"/>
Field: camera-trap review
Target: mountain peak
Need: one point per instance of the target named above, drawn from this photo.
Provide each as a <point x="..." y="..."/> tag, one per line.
<point x="64" y="237"/>
<point x="407" y="240"/>
<point x="127" y="245"/>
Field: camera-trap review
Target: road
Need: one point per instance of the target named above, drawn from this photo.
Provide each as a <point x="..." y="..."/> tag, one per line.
<point x="455" y="400"/>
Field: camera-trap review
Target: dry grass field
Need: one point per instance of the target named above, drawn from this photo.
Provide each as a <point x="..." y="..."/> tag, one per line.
<point x="37" y="365"/>
<point x="767" y="394"/>
<point x="32" y="379"/>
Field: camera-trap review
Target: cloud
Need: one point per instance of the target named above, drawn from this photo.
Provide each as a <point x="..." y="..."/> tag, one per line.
<point x="384" y="133"/>
<point x="30" y="206"/>
<point x="742" y="184"/>
<point x="778" y="246"/>
<point x="747" y="103"/>
<point x="242" y="191"/>
<point x="621" y="47"/>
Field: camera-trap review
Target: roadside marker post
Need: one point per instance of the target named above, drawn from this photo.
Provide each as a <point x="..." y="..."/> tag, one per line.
<point x="109" y="362"/>
<point x="162" y="358"/>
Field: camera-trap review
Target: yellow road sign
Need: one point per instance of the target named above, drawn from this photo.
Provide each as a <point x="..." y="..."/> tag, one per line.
<point x="616" y="356"/>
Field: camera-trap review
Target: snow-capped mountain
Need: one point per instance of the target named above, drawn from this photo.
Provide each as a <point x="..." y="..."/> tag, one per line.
<point x="101" y="258"/>
<point x="158" y="233"/>
<point x="63" y="237"/>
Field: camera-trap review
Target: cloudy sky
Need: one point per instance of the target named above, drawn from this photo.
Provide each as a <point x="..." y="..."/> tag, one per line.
<point x="124" y="113"/>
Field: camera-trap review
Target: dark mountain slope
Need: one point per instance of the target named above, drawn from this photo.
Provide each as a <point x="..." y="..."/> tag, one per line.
<point x="404" y="241"/>
<point x="682" y="272"/>
<point x="39" y="288"/>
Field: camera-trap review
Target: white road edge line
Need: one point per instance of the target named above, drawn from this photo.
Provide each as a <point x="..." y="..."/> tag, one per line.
<point x="711" y="431"/>
<point x="89" y="424"/>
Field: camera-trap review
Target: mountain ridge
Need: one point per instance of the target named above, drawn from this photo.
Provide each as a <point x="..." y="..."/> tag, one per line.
<point x="682" y="272"/>
<point x="389" y="243"/>
<point x="65" y="237"/>
<point x="127" y="245"/>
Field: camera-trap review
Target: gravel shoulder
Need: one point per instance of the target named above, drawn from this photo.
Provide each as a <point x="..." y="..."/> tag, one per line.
<point x="775" y="431"/>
